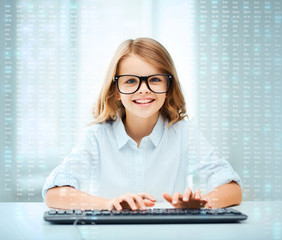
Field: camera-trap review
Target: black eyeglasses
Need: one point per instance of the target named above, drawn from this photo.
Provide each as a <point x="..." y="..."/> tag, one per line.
<point x="129" y="84"/>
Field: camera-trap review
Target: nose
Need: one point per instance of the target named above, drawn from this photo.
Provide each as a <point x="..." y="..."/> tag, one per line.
<point x="143" y="88"/>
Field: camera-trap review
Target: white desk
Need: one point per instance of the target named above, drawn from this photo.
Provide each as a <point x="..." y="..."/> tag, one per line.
<point x="25" y="221"/>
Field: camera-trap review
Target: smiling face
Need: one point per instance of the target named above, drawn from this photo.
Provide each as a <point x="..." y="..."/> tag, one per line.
<point x="143" y="103"/>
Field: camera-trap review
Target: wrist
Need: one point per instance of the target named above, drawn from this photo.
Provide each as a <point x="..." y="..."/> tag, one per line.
<point x="105" y="203"/>
<point x="94" y="202"/>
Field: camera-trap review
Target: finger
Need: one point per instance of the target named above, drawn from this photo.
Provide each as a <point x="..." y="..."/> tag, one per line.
<point x="148" y="203"/>
<point x="147" y="195"/>
<point x="139" y="200"/>
<point x="208" y="202"/>
<point x="175" y="197"/>
<point x="131" y="203"/>
<point x="187" y="195"/>
<point x="210" y="205"/>
<point x="167" y="197"/>
<point x="116" y="205"/>
<point x="198" y="194"/>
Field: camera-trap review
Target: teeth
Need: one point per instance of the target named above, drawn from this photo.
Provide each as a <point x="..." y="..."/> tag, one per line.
<point x="143" y="101"/>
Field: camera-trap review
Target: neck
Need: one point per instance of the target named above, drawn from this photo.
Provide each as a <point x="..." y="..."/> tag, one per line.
<point x="137" y="127"/>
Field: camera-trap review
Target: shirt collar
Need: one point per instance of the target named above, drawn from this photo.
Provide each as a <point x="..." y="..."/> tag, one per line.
<point x="157" y="132"/>
<point x="120" y="133"/>
<point x="122" y="137"/>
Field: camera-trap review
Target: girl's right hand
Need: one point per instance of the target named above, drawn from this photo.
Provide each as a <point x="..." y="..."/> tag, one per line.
<point x="131" y="201"/>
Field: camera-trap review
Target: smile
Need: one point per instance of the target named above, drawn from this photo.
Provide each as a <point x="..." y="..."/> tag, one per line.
<point x="143" y="101"/>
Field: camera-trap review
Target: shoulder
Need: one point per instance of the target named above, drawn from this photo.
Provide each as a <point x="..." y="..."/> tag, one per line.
<point x="97" y="130"/>
<point x="187" y="130"/>
<point x="98" y="127"/>
<point x="185" y="126"/>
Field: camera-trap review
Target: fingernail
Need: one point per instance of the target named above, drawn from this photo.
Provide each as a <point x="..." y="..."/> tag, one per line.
<point x="185" y="199"/>
<point x="174" y="202"/>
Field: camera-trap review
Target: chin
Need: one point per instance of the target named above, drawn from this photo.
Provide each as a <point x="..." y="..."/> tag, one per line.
<point x="147" y="116"/>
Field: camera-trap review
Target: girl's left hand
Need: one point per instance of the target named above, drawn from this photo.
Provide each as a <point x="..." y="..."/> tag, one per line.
<point x="187" y="200"/>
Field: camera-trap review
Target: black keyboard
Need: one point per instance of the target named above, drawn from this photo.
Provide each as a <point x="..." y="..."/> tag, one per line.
<point x="157" y="215"/>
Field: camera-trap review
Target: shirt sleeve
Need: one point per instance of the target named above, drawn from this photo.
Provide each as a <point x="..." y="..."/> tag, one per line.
<point x="78" y="167"/>
<point x="212" y="170"/>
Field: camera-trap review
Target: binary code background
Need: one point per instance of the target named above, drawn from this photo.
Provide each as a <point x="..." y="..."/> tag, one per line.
<point x="54" y="55"/>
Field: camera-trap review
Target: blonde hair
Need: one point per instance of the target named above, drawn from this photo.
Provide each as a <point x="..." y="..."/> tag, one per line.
<point x="109" y="108"/>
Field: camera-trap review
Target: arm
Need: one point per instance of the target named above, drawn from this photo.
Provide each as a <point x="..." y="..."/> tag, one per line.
<point x="70" y="198"/>
<point x="76" y="170"/>
<point x="225" y="195"/>
<point x="218" y="174"/>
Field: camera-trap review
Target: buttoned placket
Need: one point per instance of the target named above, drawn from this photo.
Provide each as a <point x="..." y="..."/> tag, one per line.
<point x="140" y="165"/>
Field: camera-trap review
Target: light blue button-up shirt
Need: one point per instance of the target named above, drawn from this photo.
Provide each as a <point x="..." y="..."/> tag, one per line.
<point x="107" y="162"/>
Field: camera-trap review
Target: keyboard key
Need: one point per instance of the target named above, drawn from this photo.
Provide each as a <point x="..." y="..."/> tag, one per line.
<point x="89" y="213"/>
<point x="52" y="212"/>
<point x="77" y="211"/>
<point x="69" y="211"/>
<point x="61" y="211"/>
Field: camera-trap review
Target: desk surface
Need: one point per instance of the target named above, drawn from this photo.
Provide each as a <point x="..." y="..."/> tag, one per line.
<point x="25" y="221"/>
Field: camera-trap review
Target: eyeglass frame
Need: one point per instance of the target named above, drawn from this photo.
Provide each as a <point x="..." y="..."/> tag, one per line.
<point x="141" y="79"/>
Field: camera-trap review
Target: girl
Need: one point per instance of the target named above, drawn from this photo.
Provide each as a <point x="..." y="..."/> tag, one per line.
<point x="140" y="149"/>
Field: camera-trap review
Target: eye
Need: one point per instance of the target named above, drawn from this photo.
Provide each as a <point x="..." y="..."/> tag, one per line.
<point x="155" y="79"/>
<point x="131" y="81"/>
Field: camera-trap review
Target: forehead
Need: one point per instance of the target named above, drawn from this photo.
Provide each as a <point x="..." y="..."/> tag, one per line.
<point x="136" y="66"/>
